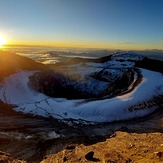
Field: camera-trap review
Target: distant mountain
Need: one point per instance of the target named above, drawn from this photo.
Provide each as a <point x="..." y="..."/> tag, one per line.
<point x="152" y="54"/>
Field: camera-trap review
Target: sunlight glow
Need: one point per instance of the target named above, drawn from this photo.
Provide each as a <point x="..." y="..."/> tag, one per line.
<point x="2" y="41"/>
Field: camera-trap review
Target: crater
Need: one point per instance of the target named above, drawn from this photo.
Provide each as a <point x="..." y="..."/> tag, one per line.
<point x="98" y="84"/>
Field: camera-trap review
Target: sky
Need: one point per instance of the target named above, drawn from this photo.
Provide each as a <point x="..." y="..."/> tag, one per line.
<point x="109" y="24"/>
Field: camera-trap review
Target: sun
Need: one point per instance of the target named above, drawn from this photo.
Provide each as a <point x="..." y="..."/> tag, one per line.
<point x="2" y="41"/>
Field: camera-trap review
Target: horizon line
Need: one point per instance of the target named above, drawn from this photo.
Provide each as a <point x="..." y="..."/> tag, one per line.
<point x="69" y="47"/>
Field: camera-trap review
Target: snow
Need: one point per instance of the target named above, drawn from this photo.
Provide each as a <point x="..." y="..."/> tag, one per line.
<point x="50" y="61"/>
<point x="15" y="90"/>
<point x="127" y="56"/>
<point x="118" y="60"/>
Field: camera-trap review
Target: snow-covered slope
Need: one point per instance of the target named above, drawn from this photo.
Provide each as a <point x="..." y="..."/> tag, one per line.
<point x="15" y="91"/>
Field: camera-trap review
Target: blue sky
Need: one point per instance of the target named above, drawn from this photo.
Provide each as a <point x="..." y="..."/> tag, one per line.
<point x="121" y="24"/>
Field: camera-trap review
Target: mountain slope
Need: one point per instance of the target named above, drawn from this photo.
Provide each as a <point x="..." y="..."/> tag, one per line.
<point x="11" y="63"/>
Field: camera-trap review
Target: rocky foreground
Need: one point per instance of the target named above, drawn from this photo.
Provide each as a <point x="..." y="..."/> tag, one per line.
<point x="24" y="138"/>
<point x="120" y="147"/>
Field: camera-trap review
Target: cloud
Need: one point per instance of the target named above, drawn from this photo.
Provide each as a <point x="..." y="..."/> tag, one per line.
<point x="125" y="42"/>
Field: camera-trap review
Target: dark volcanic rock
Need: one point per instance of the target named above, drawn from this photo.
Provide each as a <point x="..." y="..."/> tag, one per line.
<point x="102" y="83"/>
<point x="55" y="85"/>
<point x="150" y="64"/>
